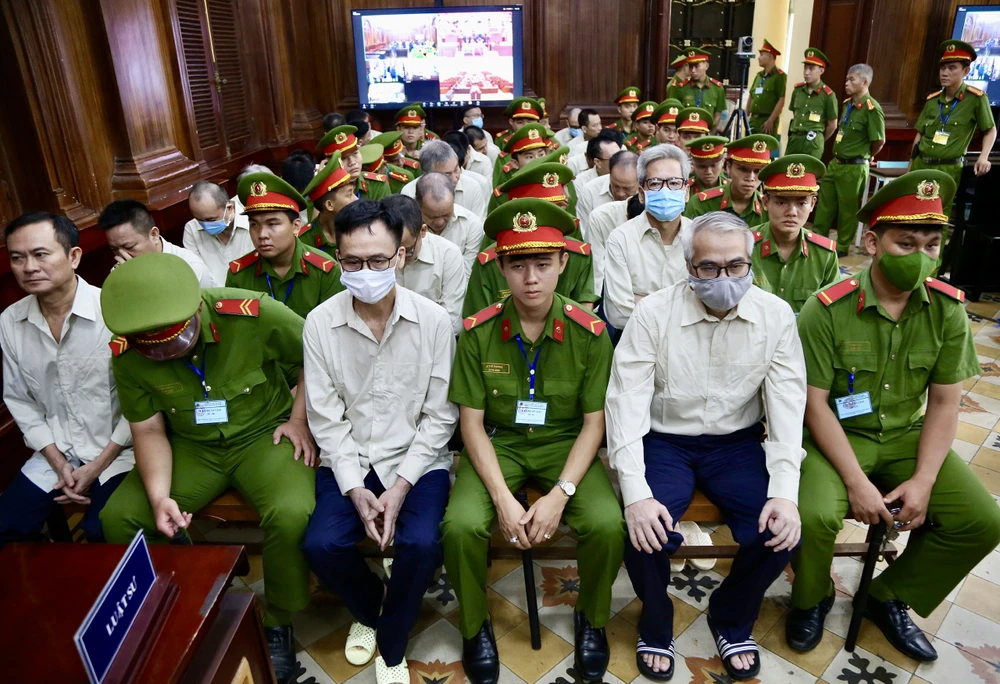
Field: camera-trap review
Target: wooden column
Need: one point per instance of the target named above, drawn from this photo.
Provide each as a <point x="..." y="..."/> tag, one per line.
<point x="659" y="35"/>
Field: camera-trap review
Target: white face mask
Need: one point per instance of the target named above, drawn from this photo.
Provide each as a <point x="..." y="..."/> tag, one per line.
<point x="367" y="285"/>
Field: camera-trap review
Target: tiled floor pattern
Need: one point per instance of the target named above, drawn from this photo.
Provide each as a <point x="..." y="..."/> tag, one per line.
<point x="965" y="629"/>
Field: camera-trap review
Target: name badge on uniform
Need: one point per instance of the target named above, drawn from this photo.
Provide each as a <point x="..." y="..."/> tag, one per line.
<point x="531" y="412"/>
<point x="211" y="412"/>
<point x="758" y="90"/>
<point x="941" y="137"/>
<point x="852" y="405"/>
<point x="815" y="116"/>
<point x="840" y="136"/>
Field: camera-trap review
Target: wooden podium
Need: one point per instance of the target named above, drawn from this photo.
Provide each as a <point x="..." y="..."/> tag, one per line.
<point x="207" y="635"/>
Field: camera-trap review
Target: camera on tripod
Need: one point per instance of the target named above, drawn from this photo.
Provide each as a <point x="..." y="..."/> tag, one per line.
<point x="744" y="47"/>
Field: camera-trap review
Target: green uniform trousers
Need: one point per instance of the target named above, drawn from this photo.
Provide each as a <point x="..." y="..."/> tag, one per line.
<point x="593" y="512"/>
<point x="953" y="170"/>
<point x="840" y="194"/>
<point x="798" y="144"/>
<point x="281" y="489"/>
<point x="963" y="524"/>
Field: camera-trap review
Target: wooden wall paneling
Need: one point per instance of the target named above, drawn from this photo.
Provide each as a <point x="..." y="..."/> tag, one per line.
<point x="841" y="29"/>
<point x="895" y="77"/>
<point x="304" y="60"/>
<point x="193" y="54"/>
<point x="658" y="19"/>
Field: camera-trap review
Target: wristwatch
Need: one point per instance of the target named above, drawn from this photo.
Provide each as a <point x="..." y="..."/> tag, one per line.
<point x="568" y="487"/>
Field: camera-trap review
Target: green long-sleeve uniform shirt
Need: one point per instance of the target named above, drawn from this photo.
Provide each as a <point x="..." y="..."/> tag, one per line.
<point x="711" y="96"/>
<point x="809" y="268"/>
<point x="720" y="199"/>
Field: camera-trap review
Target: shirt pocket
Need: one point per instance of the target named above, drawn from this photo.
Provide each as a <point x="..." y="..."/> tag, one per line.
<point x="501" y="398"/>
<point x="563" y="397"/>
<point x="920" y="362"/>
<point x="245" y="397"/>
<point x="864" y="366"/>
<point x="801" y="294"/>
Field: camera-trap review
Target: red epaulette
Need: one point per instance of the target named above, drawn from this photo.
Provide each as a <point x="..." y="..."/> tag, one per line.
<point x="303" y="229"/>
<point x="711" y="194"/>
<point x="718" y="83"/>
<point x="799" y="85"/>
<point x="411" y="163"/>
<point x="374" y="176"/>
<point x="612" y="125"/>
<point x="758" y="236"/>
<point x="497" y="192"/>
<point x="238" y="307"/>
<point x="487" y="256"/>
<point x="486" y="314"/>
<point x="502" y="155"/>
<point x="827" y="89"/>
<point x="727" y="181"/>
<point x="934" y="94"/>
<point x="119" y="345"/>
<point x="945" y="288"/>
<point x="975" y="91"/>
<point x="401" y="177"/>
<point x="507" y="167"/>
<point x="780" y="71"/>
<point x="871" y="105"/>
<point x="310" y="257"/>
<point x="838" y="291"/>
<point x="642" y="145"/>
<point x="578" y="247"/>
<point x="631" y="140"/>
<point x="821" y="240"/>
<point x="237" y="265"/>
<point x="431" y="135"/>
<point x="363" y="185"/>
<point x="585" y="319"/>
<point x="846" y="100"/>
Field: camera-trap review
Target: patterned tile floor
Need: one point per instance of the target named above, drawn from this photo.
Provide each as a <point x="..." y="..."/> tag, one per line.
<point x="965" y="629"/>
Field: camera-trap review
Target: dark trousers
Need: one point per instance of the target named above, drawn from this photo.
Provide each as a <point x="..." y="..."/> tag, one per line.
<point x="730" y="470"/>
<point x="24" y="508"/>
<point x="330" y="547"/>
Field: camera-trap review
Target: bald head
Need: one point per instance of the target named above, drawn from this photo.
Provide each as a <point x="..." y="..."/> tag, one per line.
<point x="436" y="197"/>
<point x="574" y="117"/>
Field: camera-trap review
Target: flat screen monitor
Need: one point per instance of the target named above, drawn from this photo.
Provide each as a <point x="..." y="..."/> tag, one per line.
<point x="438" y="56"/>
<point x="979" y="25"/>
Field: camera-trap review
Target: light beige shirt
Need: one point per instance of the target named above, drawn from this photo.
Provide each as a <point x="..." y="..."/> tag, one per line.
<point x="563" y="136"/>
<point x="602" y="222"/>
<point x="212" y="251"/>
<point x="582" y="180"/>
<point x="63" y="392"/>
<point x="638" y="263"/>
<point x="679" y="370"/>
<point x="578" y="164"/>
<point x="479" y="163"/>
<point x="485" y="185"/>
<point x="493" y="152"/>
<point x="468" y="193"/>
<point x="205" y="277"/>
<point x="381" y="405"/>
<point x="577" y="146"/>
<point x="438" y="274"/>
<point x="465" y="231"/>
<point x="593" y="195"/>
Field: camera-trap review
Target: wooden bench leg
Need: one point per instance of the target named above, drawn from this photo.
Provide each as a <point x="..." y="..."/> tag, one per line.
<point x="59" y="526"/>
<point x="876" y="535"/>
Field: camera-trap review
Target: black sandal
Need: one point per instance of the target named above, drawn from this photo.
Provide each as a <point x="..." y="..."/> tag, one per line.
<point x="641" y="648"/>
<point x="728" y="650"/>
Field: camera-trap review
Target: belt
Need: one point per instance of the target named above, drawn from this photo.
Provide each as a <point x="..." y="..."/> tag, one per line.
<point x="943" y="162"/>
<point x="803" y="132"/>
<point x="852" y="160"/>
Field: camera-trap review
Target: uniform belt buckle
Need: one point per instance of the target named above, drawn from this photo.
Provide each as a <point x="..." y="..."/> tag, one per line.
<point x="810" y="135"/>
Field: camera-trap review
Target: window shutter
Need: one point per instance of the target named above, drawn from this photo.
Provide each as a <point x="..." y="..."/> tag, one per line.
<point x="198" y="73"/>
<point x="236" y="122"/>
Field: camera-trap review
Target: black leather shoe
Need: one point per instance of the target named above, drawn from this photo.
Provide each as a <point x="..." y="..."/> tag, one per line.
<point x="479" y="656"/>
<point x="281" y="646"/>
<point x="804" y="627"/>
<point x="591" y="654"/>
<point x="897" y="626"/>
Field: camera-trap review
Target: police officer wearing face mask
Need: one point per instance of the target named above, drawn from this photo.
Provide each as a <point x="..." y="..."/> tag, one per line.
<point x="687" y="414"/>
<point x="217" y="233"/>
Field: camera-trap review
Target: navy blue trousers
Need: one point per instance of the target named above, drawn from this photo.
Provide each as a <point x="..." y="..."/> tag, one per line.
<point x="24" y="508"/>
<point x="330" y="547"/>
<point x="730" y="471"/>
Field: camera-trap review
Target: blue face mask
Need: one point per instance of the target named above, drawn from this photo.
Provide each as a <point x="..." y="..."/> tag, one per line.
<point x="574" y="132"/>
<point x="478" y="122"/>
<point x="664" y="204"/>
<point x="215" y="227"/>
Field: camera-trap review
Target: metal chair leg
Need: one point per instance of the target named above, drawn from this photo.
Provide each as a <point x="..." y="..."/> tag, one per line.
<point x="59" y="526"/>
<point x="876" y="535"/>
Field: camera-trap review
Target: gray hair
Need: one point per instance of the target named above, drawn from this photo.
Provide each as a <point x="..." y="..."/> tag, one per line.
<point x="716" y="223"/>
<point x="862" y="70"/>
<point x="434" y="152"/>
<point x="435" y="185"/>
<point x="213" y="190"/>
<point x="252" y="168"/>
<point x="625" y="158"/>
<point x="658" y="152"/>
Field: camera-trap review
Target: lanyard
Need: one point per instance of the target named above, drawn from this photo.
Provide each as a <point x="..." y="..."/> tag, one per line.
<point x="847" y="116"/>
<point x="850" y="383"/>
<point x="200" y="372"/>
<point x="701" y="94"/>
<point x="531" y="368"/>
<point x="763" y="78"/>
<point x="951" y="110"/>
<point x="287" y="292"/>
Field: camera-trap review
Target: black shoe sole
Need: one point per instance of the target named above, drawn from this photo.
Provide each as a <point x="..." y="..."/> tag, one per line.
<point x="646" y="671"/>
<point x="584" y="678"/>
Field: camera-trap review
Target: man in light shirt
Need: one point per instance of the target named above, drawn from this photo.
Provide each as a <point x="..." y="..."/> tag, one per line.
<point x="482" y="143"/>
<point x="377" y="365"/>
<point x="130" y="231"/>
<point x="57" y="383"/>
<point x="619" y="182"/>
<point x="218" y="233"/>
<point x="436" y="156"/>
<point x="644" y="254"/>
<point x="688" y="413"/>
<point x="445" y="217"/>
<point x="599" y="152"/>
<point x="460" y="144"/>
<point x="433" y="266"/>
<point x="590" y="125"/>
<point x="471" y="160"/>
<point x="572" y="130"/>
<point x="602" y="223"/>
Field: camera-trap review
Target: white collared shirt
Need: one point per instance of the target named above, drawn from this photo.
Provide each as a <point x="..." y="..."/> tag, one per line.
<point x="578" y="145"/>
<point x="479" y="163"/>
<point x="493" y="152"/>
<point x="63" y="392"/>
<point x="438" y="273"/>
<point x="595" y="194"/>
<point x="578" y="164"/>
<point x="679" y="370"/>
<point x="602" y="222"/>
<point x="468" y="193"/>
<point x="212" y="251"/>
<point x="563" y="136"/>
<point x="381" y="405"/>
<point x="638" y="263"/>
<point x="205" y="277"/>
<point x="582" y="180"/>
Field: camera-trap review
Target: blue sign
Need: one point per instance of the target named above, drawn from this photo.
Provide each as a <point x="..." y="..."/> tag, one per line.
<point x="109" y="620"/>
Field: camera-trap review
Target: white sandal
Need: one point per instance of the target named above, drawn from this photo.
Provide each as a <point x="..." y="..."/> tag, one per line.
<point x="397" y="674"/>
<point x="360" y="645"/>
<point x="693" y="536"/>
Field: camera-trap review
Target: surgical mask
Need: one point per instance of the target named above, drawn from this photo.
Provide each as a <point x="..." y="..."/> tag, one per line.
<point x="215" y="227"/>
<point x="478" y="122"/>
<point x="722" y="293"/>
<point x="664" y="204"/>
<point x="367" y="285"/>
<point x="908" y="271"/>
<point x="575" y="132"/>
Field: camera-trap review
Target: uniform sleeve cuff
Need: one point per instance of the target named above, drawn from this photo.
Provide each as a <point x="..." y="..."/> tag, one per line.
<point x="634" y="488"/>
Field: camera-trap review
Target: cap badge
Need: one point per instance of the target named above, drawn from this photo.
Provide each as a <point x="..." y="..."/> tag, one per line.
<point x="550" y="180"/>
<point x="675" y="111"/>
<point x="694" y="116"/>
<point x="649" y="108"/>
<point x="340" y="138"/>
<point x="258" y="189"/>
<point x="563" y="158"/>
<point x="796" y="170"/>
<point x="412" y="112"/>
<point x="631" y="93"/>
<point x="708" y="147"/>
<point x="533" y="134"/>
<point x="950" y="48"/>
<point x="525" y="223"/>
<point x="525" y="106"/>
<point x="928" y="190"/>
<point x="759" y="146"/>
<point x="810" y="54"/>
<point x="691" y="53"/>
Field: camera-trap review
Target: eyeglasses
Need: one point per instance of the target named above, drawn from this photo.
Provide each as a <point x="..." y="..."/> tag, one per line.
<point x="737" y="269"/>
<point x="375" y="263"/>
<point x="656" y="184"/>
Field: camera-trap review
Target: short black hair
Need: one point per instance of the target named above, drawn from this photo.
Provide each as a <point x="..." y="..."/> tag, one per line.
<point x="332" y="120"/>
<point x="594" y="144"/>
<point x="66" y="233"/>
<point x="298" y="170"/>
<point x="356" y="115"/>
<point x="634" y="206"/>
<point x="362" y="127"/>
<point x="403" y="212"/>
<point x="465" y="110"/>
<point x="127" y="211"/>
<point x="362" y="214"/>
<point x="459" y="142"/>
<point x="584" y="117"/>
<point x="474" y="133"/>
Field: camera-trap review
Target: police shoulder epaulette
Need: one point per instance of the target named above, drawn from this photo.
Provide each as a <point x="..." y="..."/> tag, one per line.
<point x="871" y="105"/>
<point x="643" y="145"/>
<point x="934" y="94"/>
<point x="727" y="181"/>
<point x="799" y="85"/>
<point x="975" y="91"/>
<point x="780" y="72"/>
<point x="374" y="176"/>
<point x="711" y="193"/>
<point x="401" y="177"/>
<point x="502" y="155"/>
<point x="945" y="288"/>
<point x="691" y="180"/>
<point x="758" y="236"/>
<point x="821" y="240"/>
<point x="508" y="167"/>
<point x="631" y="140"/>
<point x="487" y="256"/>
<point x="577" y="246"/>
<point x="828" y="90"/>
<point x="718" y="83"/>
<point x="486" y="314"/>
<point x="612" y="125"/>
<point x="317" y="260"/>
<point x="431" y="135"/>
<point x="238" y="307"/>
<point x="411" y="163"/>
<point x="237" y="265"/>
<point x="838" y="291"/>
<point x="584" y="318"/>
<point x="119" y="345"/>
<point x="303" y="229"/>
<point x="846" y="100"/>
<point x="497" y="191"/>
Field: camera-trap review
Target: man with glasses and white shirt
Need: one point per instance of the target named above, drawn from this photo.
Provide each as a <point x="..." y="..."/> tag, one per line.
<point x="688" y="413"/>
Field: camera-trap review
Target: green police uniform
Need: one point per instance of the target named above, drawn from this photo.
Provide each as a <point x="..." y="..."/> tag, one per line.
<point x="523" y="108"/>
<point x="711" y="96"/>
<point x="571" y="377"/>
<point x="845" y="332"/>
<point x="720" y="199"/>
<point x="312" y="235"/>
<point x="811" y="110"/>
<point x="673" y="87"/>
<point x="373" y="186"/>
<point x="847" y="174"/>
<point x="627" y="95"/>
<point x="531" y="136"/>
<point x="766" y="90"/>
<point x="946" y="128"/>
<point x="558" y="156"/>
<point x="329" y="178"/>
<point x="373" y="161"/>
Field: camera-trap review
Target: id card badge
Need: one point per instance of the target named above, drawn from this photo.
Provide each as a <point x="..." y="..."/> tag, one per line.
<point x="758" y="91"/>
<point x="211" y="412"/>
<point x="852" y="405"/>
<point x="941" y="137"/>
<point x="840" y="136"/>
<point x="531" y="412"/>
<point x="815" y="117"/>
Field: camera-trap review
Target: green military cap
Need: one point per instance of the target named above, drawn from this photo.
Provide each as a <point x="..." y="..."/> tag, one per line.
<point x="542" y="181"/>
<point x="627" y="95"/>
<point x="524" y="108"/>
<point x="679" y="61"/>
<point x="644" y="110"/>
<point x="411" y="115"/>
<point x="754" y="150"/>
<point x="816" y="57"/>
<point x="695" y="120"/>
<point x="956" y="50"/>
<point x="525" y="226"/>
<point x="266" y="192"/>
<point x="707" y="147"/>
<point x="371" y="153"/>
<point x="340" y="139"/>
<point x="767" y="47"/>
<point x="916" y="198"/>
<point x="529" y="137"/>
<point x="390" y="142"/>
<point x="793" y="174"/>
<point x="544" y="110"/>
<point x="666" y="112"/>
<point x="560" y="155"/>
<point x="328" y="178"/>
